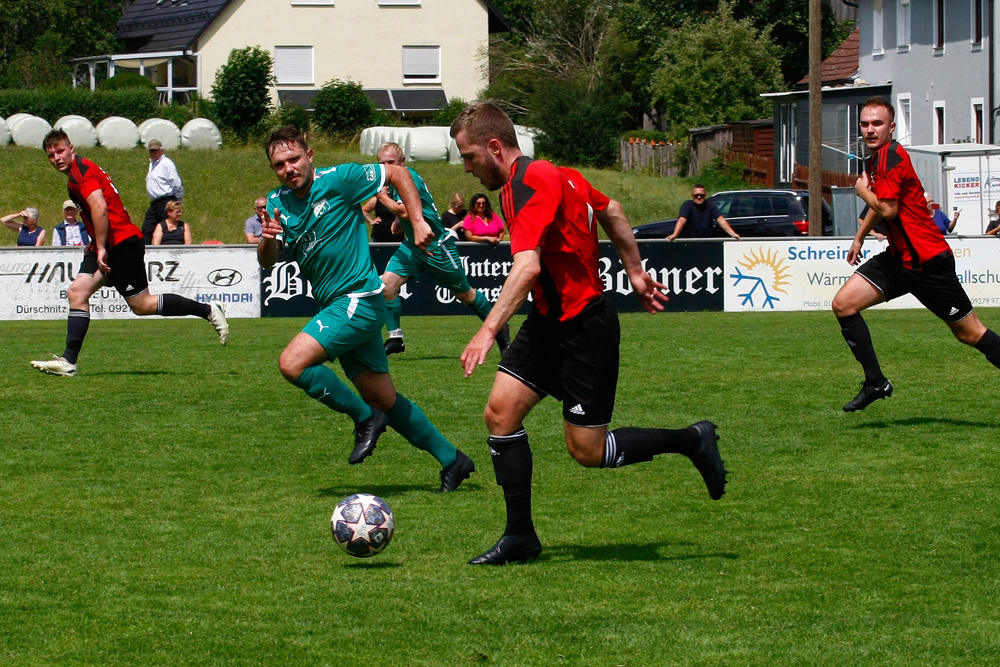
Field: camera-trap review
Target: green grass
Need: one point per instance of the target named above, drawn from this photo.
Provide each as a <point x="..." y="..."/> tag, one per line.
<point x="170" y="506"/>
<point x="220" y="186"/>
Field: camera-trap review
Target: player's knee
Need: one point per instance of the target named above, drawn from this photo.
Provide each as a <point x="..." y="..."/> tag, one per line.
<point x="969" y="336"/>
<point x="842" y="307"/>
<point x="584" y="455"/>
<point x="467" y="297"/>
<point x="390" y="293"/>
<point x="289" y="369"/>
<point x="78" y="295"/>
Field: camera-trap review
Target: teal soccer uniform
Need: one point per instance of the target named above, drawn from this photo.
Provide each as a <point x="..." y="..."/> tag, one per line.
<point x="328" y="237"/>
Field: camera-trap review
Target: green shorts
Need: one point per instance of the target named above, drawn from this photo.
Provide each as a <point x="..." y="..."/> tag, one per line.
<point x="350" y="330"/>
<point x="443" y="264"/>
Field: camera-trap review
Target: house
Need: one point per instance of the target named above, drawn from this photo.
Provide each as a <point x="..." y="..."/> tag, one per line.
<point x="934" y="60"/>
<point x="407" y="54"/>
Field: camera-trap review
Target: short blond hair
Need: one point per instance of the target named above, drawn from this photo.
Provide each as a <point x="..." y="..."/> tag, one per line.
<point x="172" y="206"/>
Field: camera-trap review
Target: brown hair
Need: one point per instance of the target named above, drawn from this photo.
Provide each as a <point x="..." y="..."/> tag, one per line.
<point x="487" y="212"/>
<point x="54" y="137"/>
<point x="287" y="135"/>
<point x="879" y="101"/>
<point x="482" y="121"/>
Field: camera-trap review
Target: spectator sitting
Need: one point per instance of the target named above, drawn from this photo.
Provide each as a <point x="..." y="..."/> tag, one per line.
<point x="173" y="230"/>
<point x="482" y="225"/>
<point x="453" y="217"/>
<point x="252" y="227"/>
<point x="70" y="231"/>
<point x="28" y="231"/>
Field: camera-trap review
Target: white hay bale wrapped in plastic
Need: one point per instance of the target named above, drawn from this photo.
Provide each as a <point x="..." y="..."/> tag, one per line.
<point x="371" y="139"/>
<point x="4" y="133"/>
<point x="117" y="133"/>
<point x="201" y="133"/>
<point x="164" y="130"/>
<point x="80" y="131"/>
<point x="453" y="155"/>
<point x="13" y="118"/>
<point x="29" y="131"/>
<point x="526" y="144"/>
<point x="426" y="144"/>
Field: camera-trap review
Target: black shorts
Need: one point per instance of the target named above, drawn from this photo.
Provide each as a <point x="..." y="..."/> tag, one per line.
<point x="575" y="362"/>
<point x="935" y="285"/>
<point x="127" y="262"/>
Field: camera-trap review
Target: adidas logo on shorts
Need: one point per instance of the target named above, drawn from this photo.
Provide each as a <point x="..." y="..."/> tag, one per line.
<point x="953" y="310"/>
<point x="577" y="410"/>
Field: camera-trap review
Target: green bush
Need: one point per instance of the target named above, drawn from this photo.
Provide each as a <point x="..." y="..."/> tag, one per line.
<point x="718" y="175"/>
<point x="295" y="115"/>
<point x="342" y="107"/>
<point x="579" y="126"/>
<point x="648" y="135"/>
<point x="136" y="104"/>
<point x="126" y="80"/>
<point x="241" y="90"/>
<point x="449" y="112"/>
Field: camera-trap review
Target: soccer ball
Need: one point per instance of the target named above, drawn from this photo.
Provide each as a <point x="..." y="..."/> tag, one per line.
<point x="362" y="525"/>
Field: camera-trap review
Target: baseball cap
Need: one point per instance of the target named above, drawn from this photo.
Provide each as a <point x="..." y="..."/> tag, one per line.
<point x="154" y="145"/>
<point x="70" y="204"/>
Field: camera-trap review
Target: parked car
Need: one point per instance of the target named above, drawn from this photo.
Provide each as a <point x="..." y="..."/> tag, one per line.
<point x="753" y="213"/>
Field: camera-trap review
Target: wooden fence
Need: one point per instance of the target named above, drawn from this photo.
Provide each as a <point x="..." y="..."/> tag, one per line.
<point x="655" y="157"/>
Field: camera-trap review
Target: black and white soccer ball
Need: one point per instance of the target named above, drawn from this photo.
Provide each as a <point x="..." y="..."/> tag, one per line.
<point x="362" y="525"/>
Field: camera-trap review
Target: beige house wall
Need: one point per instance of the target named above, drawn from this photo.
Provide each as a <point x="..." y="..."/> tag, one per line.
<point x="357" y="40"/>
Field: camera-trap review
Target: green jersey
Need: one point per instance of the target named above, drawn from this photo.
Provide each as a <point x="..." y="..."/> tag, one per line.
<point x="327" y="231"/>
<point x="429" y="209"/>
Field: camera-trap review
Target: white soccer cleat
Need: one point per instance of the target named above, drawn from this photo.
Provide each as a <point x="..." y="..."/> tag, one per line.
<point x="55" y="366"/>
<point x="217" y="318"/>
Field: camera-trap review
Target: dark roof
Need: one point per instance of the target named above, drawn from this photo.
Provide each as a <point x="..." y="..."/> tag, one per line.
<point x="176" y="25"/>
<point x="166" y="25"/>
<point x="841" y="65"/>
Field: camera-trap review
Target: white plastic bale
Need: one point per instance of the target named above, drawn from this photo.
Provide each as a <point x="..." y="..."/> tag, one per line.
<point x="4" y="133"/>
<point x="369" y="139"/>
<point x="201" y="133"/>
<point x="80" y="131"/>
<point x="454" y="157"/>
<point x="117" y="133"/>
<point x="426" y="144"/>
<point x="526" y="144"/>
<point x="29" y="131"/>
<point x="13" y="118"/>
<point x="164" y="130"/>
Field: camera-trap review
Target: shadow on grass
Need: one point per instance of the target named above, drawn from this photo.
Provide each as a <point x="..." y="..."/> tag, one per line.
<point x="369" y="565"/>
<point x="380" y="490"/>
<point x="925" y="421"/>
<point x="624" y="552"/>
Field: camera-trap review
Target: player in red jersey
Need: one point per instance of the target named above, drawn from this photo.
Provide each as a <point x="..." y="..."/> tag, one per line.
<point x="115" y="255"/>
<point x="918" y="260"/>
<point x="568" y="345"/>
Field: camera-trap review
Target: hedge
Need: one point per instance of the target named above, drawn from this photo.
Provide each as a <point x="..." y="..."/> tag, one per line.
<point x="134" y="104"/>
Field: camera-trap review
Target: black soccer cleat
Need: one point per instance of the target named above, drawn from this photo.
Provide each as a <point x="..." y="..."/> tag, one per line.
<point x="707" y="460"/>
<point x="366" y="435"/>
<point x="868" y="395"/>
<point x="394" y="345"/>
<point x="459" y="470"/>
<point x="503" y="338"/>
<point x="509" y="549"/>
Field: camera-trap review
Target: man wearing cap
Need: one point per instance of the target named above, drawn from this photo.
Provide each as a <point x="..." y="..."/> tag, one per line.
<point x="70" y="231"/>
<point x="163" y="184"/>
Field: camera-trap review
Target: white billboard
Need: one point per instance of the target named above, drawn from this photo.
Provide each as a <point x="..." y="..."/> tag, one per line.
<point x="33" y="281"/>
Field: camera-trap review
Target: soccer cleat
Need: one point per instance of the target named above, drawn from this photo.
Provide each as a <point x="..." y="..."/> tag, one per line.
<point x="707" y="460"/>
<point x="55" y="366"/>
<point x="459" y="470"/>
<point x="217" y="318"/>
<point x="394" y="345"/>
<point x="510" y="548"/>
<point x="366" y="435"/>
<point x="503" y="338"/>
<point x="868" y="395"/>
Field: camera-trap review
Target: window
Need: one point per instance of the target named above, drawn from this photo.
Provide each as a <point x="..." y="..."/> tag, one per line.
<point x="421" y="64"/>
<point x="939" y="122"/>
<point x="938" y="24"/>
<point x="903" y="25"/>
<point x="977" y="120"/>
<point x="876" y="27"/>
<point x="786" y="141"/>
<point x="293" y="64"/>
<point x="977" y="22"/>
<point x="903" y="126"/>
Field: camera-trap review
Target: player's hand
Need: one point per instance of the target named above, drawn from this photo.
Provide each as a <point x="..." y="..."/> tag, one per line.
<point x="270" y="227"/>
<point x="651" y="294"/>
<point x="854" y="254"/>
<point x="861" y="185"/>
<point x="477" y="349"/>
<point x="422" y="235"/>
<point x="102" y="260"/>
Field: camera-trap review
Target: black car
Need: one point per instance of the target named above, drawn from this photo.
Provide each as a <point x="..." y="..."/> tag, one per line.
<point x="753" y="213"/>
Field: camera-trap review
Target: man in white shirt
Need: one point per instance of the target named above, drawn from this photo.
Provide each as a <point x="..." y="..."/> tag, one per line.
<point x="163" y="184"/>
<point x="70" y="231"/>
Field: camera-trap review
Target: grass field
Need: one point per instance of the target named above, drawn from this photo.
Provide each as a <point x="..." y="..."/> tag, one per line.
<point x="171" y="504"/>
<point x="220" y="186"/>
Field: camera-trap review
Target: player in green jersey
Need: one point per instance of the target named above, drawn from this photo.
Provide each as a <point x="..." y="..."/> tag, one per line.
<point x="441" y="262"/>
<point x="317" y="212"/>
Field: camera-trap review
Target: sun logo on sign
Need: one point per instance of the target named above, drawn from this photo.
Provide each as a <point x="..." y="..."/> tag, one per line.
<point x="766" y="273"/>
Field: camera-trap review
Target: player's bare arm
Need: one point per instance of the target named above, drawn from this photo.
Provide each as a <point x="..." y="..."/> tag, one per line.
<point x="99" y="216"/>
<point x="525" y="270"/>
<point x="399" y="178"/>
<point x="269" y="246"/>
<point x="649" y="292"/>
<point x="398" y="209"/>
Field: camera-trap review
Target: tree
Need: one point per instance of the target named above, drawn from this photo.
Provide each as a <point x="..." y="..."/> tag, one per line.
<point x="241" y="89"/>
<point x="342" y="107"/>
<point x="715" y="71"/>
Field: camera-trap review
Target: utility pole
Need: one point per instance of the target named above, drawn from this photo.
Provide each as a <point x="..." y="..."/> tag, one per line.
<point x="815" y="119"/>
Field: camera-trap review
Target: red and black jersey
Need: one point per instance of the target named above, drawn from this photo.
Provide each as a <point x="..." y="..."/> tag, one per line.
<point x="84" y="178"/>
<point x="551" y="209"/>
<point x="913" y="236"/>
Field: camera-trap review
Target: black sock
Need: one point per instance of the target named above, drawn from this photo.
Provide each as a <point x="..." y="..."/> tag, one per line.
<point x="76" y="330"/>
<point x="859" y="339"/>
<point x="989" y="345"/>
<point x="175" y="305"/>
<point x="511" y="455"/>
<point x="625" y="446"/>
